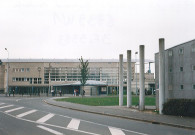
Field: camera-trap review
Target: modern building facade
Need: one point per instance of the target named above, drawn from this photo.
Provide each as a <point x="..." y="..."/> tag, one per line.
<point x="32" y="76"/>
<point x="179" y="71"/>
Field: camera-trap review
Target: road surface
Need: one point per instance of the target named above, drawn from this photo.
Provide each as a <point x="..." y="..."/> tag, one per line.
<point x="22" y="116"/>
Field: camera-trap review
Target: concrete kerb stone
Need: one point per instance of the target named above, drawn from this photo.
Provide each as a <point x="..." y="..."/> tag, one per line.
<point x="120" y="116"/>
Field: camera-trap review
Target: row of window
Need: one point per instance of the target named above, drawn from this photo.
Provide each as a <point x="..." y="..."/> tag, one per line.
<point x="182" y="87"/>
<point x="181" y="50"/>
<point x="24" y="79"/>
<point x="21" y="70"/>
<point x="181" y="69"/>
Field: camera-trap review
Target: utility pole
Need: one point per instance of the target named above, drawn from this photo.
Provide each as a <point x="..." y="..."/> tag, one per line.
<point x="7" y="82"/>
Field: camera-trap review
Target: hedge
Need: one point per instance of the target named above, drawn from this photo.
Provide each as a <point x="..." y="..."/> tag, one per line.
<point x="179" y="107"/>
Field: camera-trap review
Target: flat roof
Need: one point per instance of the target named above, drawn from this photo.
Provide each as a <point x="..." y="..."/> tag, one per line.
<point x="68" y="60"/>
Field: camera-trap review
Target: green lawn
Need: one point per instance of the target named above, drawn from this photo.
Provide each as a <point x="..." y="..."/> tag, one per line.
<point x="107" y="101"/>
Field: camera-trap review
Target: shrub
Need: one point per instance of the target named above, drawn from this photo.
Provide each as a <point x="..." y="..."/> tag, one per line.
<point x="179" y="107"/>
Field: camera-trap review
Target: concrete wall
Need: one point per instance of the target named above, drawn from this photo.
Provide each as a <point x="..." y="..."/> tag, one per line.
<point x="2" y="75"/>
<point x="174" y="78"/>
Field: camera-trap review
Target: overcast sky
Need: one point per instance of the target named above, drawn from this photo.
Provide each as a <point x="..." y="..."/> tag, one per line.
<point x="92" y="28"/>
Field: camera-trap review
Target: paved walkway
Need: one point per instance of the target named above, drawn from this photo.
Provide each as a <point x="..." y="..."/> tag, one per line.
<point x="129" y="113"/>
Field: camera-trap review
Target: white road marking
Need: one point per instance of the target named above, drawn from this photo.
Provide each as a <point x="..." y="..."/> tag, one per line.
<point x="50" y="130"/>
<point x="2" y="103"/>
<point x="14" y="109"/>
<point x="45" y="118"/>
<point x="26" y="113"/>
<point x="18" y="100"/>
<point x="6" y="106"/>
<point x="80" y="131"/>
<point x="116" y="131"/>
<point x="74" y="124"/>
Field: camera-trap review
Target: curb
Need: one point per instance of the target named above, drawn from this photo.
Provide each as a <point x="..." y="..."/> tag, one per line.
<point x="124" y="117"/>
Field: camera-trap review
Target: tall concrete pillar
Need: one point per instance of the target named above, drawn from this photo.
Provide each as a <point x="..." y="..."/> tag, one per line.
<point x="161" y="74"/>
<point x="120" y="80"/>
<point x="141" y="78"/>
<point x="129" y="98"/>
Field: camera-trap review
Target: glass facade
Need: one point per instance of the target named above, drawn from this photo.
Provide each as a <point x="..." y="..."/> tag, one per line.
<point x="108" y="75"/>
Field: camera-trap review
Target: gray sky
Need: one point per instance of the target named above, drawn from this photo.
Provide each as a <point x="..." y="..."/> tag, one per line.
<point x="92" y="28"/>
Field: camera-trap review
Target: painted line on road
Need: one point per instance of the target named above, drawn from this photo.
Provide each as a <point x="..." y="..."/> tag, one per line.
<point x="14" y="109"/>
<point x="50" y="130"/>
<point x="116" y="131"/>
<point x="80" y="131"/>
<point x="45" y="118"/>
<point x="6" y="106"/>
<point x="2" y="103"/>
<point x="74" y="123"/>
<point x="26" y="113"/>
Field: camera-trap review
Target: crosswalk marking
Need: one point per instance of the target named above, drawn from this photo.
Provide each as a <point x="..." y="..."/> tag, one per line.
<point x="45" y="118"/>
<point x="116" y="131"/>
<point x="50" y="130"/>
<point x="2" y="103"/>
<point x="14" y="109"/>
<point x="26" y="113"/>
<point x="74" y="123"/>
<point x="6" y="106"/>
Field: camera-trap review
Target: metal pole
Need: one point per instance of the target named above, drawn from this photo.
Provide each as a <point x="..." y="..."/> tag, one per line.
<point x="129" y="98"/>
<point x="7" y="82"/>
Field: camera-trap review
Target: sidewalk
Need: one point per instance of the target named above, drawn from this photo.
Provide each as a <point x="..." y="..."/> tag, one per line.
<point x="129" y="113"/>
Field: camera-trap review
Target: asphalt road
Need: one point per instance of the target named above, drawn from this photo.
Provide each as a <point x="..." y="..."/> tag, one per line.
<point x="22" y="116"/>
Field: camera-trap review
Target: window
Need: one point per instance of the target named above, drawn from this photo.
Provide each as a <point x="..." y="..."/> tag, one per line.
<point x="35" y="80"/>
<point x="170" y="53"/>
<point x="181" y="51"/>
<point x="22" y="69"/>
<point x="39" y="81"/>
<point x="193" y="67"/>
<point x="30" y="80"/>
<point x="181" y="69"/>
<point x="194" y="87"/>
<point x="13" y="79"/>
<point x="181" y="87"/>
<point x="193" y="48"/>
<point x="27" y="70"/>
<point x="170" y="70"/>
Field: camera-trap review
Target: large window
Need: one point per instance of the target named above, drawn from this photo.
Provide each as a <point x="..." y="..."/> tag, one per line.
<point x="108" y="75"/>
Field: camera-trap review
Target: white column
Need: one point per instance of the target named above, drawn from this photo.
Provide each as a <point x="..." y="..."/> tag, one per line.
<point x="129" y="98"/>
<point x="161" y="74"/>
<point x="121" y="80"/>
<point x="141" y="78"/>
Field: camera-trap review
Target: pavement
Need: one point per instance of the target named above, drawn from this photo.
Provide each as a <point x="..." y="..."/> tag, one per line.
<point x="129" y="113"/>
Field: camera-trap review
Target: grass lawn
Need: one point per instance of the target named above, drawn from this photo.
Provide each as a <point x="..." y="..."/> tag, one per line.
<point x="107" y="101"/>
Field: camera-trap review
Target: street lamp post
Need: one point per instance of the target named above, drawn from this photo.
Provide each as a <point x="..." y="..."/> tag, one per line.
<point x="7" y="82"/>
<point x="136" y="71"/>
